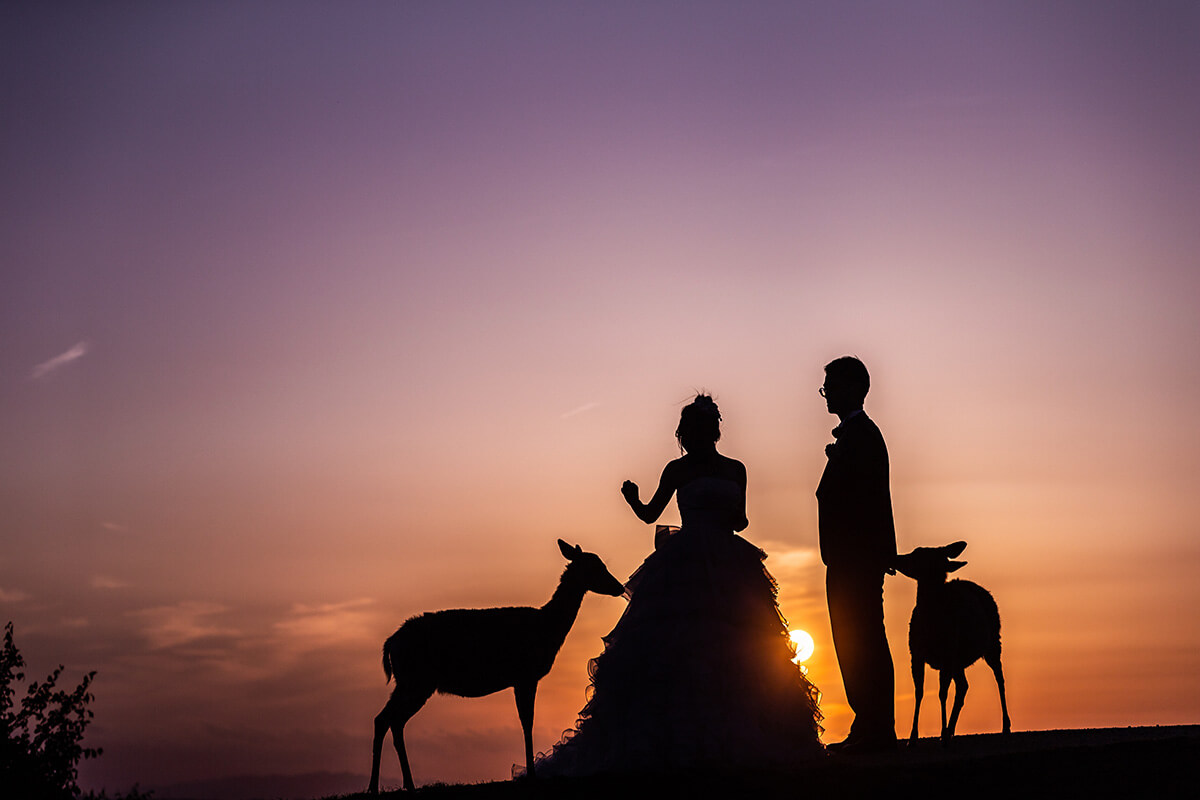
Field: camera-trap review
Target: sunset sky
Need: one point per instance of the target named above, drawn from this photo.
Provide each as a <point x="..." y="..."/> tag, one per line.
<point x="316" y="316"/>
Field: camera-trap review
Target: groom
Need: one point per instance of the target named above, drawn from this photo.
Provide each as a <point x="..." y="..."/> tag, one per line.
<point x="858" y="545"/>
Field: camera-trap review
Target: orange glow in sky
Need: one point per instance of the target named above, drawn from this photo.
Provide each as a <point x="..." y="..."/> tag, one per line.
<point x="314" y="318"/>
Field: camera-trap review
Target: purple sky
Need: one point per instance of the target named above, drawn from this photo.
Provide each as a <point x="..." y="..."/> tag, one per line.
<point x="314" y="316"/>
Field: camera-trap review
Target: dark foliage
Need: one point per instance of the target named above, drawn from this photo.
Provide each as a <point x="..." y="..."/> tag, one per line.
<point x="40" y="747"/>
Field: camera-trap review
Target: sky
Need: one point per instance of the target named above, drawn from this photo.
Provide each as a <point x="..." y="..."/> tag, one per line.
<point x="317" y="316"/>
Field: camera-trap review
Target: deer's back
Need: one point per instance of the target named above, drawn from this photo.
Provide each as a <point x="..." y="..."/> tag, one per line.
<point x="954" y="626"/>
<point x="472" y="652"/>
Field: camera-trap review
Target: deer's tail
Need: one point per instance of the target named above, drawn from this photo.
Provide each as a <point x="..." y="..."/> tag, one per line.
<point x="387" y="660"/>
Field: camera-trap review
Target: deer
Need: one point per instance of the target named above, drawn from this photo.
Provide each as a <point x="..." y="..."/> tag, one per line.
<point x="439" y="652"/>
<point x="953" y="625"/>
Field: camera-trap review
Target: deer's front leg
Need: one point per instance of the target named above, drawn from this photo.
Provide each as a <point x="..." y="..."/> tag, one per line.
<point x="525" y="694"/>
<point x="918" y="675"/>
<point x="960" y="694"/>
<point x="944" y="677"/>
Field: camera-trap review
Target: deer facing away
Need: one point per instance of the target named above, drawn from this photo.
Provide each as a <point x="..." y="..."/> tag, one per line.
<point x="953" y="625"/>
<point x="439" y="651"/>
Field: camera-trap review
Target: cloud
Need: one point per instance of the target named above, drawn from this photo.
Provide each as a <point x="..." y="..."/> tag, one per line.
<point x="12" y="596"/>
<point x="797" y="558"/>
<point x="115" y="527"/>
<point x="105" y="582"/>
<point x="796" y="567"/>
<point x="75" y="353"/>
<point x="328" y="608"/>
<point x="170" y="626"/>
<point x="319" y="625"/>
<point x="581" y="409"/>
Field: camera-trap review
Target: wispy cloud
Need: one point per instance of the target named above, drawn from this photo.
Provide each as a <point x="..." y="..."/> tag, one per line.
<point x="106" y="582"/>
<point x="318" y="625"/>
<point x="12" y="595"/>
<point x="793" y="558"/>
<point x="169" y="626"/>
<point x="75" y="353"/>
<point x="329" y="608"/>
<point x="115" y="527"/>
<point x="581" y="409"/>
<point x="791" y="565"/>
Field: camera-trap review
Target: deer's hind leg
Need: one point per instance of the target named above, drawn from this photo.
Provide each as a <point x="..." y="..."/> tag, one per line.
<point x="381" y="728"/>
<point x="993" y="661"/>
<point x="404" y="703"/>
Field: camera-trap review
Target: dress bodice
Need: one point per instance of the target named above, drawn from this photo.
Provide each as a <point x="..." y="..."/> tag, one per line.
<point x="709" y="503"/>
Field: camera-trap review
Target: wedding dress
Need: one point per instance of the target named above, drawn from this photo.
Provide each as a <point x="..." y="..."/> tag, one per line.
<point x="697" y="671"/>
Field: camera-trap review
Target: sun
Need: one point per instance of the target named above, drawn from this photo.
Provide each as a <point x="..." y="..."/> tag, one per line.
<point x="804" y="645"/>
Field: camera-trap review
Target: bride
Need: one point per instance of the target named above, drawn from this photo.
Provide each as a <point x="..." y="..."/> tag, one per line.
<point x="698" y="671"/>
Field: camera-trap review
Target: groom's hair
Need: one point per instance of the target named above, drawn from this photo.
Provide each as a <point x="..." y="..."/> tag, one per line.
<point x="853" y="372"/>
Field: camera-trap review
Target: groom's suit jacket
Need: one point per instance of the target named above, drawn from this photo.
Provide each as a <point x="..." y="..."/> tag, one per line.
<point x="854" y="500"/>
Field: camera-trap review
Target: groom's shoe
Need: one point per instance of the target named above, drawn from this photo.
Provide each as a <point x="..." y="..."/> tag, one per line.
<point x="868" y="745"/>
<point x="849" y="741"/>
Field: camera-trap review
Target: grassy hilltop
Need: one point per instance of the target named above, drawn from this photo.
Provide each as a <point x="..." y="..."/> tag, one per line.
<point x="1128" y="762"/>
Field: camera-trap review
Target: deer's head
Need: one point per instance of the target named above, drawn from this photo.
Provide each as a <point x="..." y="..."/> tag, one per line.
<point x="588" y="571"/>
<point x="931" y="563"/>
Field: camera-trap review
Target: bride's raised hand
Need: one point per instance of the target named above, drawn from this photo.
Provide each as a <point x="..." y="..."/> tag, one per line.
<point x="629" y="490"/>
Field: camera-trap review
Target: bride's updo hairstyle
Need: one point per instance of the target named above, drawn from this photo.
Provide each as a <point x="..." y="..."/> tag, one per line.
<point x="699" y="422"/>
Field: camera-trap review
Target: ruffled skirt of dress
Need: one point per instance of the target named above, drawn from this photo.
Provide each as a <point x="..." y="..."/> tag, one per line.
<point x="697" y="672"/>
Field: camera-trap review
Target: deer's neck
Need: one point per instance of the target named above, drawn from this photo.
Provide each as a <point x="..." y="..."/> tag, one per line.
<point x="562" y="608"/>
<point x="928" y="592"/>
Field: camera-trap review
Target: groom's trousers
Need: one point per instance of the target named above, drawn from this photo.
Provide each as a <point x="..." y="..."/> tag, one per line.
<point x="855" y="597"/>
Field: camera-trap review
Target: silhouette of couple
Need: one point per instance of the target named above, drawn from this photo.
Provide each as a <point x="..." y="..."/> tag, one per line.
<point x="698" y="670"/>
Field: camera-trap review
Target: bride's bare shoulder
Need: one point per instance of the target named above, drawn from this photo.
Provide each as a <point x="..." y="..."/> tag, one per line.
<point x="734" y="469"/>
<point x="675" y="470"/>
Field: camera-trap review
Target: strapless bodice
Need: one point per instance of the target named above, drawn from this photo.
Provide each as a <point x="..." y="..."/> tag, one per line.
<point x="708" y="503"/>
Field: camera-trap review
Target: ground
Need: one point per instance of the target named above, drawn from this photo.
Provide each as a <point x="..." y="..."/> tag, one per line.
<point x="1111" y="762"/>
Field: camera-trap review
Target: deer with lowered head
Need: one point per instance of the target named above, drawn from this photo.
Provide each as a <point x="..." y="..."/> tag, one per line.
<point x="440" y="652"/>
<point x="954" y="624"/>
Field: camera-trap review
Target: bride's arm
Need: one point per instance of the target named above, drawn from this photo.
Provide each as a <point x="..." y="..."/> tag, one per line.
<point x="742" y="523"/>
<point x="649" y="512"/>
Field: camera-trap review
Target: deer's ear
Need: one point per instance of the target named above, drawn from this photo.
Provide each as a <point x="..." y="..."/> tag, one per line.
<point x="954" y="566"/>
<point x="952" y="550"/>
<point x="569" y="553"/>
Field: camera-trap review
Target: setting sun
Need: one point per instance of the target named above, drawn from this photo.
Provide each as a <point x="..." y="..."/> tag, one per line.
<point x="804" y="645"/>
